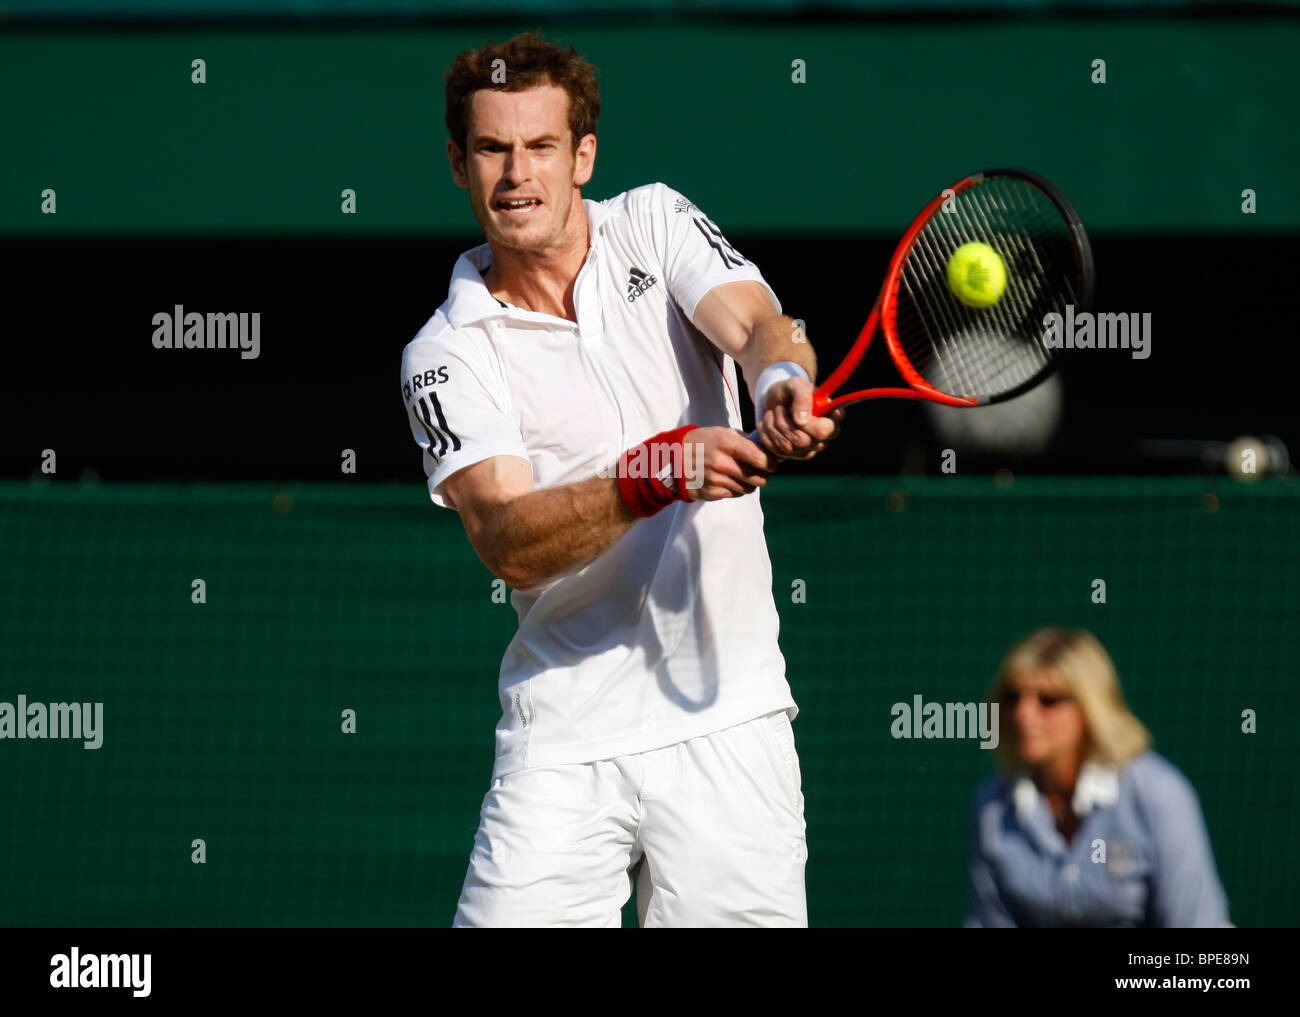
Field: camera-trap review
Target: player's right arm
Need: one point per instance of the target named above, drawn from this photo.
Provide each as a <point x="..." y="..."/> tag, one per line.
<point x="530" y="538"/>
<point x="459" y="409"/>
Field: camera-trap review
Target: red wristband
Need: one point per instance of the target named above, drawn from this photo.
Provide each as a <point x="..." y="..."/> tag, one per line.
<point x="651" y="475"/>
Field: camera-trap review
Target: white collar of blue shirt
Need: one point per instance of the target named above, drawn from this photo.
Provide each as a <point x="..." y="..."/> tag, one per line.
<point x="1097" y="786"/>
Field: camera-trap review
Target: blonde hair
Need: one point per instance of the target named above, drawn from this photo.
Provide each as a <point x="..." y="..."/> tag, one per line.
<point x="1078" y="661"/>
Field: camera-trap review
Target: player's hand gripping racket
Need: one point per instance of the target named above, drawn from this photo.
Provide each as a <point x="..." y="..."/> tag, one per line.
<point x="965" y="301"/>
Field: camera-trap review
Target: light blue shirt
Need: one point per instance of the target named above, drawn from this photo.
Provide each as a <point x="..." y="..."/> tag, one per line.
<point x="1140" y="857"/>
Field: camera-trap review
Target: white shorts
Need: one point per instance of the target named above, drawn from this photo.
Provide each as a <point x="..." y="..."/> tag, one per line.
<point x="711" y="829"/>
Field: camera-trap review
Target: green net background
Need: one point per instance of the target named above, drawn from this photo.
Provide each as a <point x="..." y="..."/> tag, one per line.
<point x="223" y="719"/>
<point x="1193" y="112"/>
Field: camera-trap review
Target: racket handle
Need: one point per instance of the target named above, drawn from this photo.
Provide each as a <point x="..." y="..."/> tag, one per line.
<point x="820" y="402"/>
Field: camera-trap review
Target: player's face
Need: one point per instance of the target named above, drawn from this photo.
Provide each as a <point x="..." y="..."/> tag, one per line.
<point x="520" y="146"/>
<point x="1046" y="722"/>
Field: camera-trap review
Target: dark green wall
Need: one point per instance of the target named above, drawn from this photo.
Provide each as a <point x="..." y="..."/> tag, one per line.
<point x="223" y="719"/>
<point x="1192" y="113"/>
<point x="342" y="10"/>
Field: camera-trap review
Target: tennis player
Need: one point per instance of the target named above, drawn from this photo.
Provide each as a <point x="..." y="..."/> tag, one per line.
<point x="1085" y="826"/>
<point x="575" y="401"/>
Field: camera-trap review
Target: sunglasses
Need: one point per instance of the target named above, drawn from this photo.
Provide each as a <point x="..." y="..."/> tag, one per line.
<point x="1011" y="697"/>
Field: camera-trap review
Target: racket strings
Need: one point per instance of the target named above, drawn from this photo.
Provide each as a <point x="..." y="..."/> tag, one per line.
<point x="1017" y="300"/>
<point x="980" y="358"/>
<point x="940" y="358"/>
<point x="987" y="361"/>
<point x="1016" y="304"/>
<point x="1044" y="219"/>
<point x="986" y="352"/>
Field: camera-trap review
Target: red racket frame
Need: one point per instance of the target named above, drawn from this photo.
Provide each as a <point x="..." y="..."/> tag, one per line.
<point x="885" y="310"/>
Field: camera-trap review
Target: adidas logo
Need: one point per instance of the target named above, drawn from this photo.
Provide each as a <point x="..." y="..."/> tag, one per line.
<point x="638" y="282"/>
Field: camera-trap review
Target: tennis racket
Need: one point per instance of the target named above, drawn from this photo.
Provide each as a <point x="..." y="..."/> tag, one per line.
<point x="946" y="350"/>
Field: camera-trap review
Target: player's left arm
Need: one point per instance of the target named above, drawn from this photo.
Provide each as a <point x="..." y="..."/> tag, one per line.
<point x="739" y="319"/>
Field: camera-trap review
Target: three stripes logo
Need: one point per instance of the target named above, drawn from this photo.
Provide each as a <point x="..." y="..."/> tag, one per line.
<point x="428" y="414"/>
<point x="638" y="282"/>
<point x="731" y="257"/>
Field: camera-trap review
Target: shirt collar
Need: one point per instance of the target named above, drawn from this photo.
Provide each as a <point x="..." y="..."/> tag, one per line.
<point x="1097" y="786"/>
<point x="468" y="299"/>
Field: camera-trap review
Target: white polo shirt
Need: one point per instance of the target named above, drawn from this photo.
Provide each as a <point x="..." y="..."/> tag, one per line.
<point x="672" y="632"/>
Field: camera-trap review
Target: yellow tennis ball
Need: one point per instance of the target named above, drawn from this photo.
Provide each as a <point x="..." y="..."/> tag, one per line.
<point x="977" y="275"/>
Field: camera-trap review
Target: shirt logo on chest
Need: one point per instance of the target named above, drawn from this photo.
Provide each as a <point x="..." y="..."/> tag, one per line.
<point x="638" y="282"/>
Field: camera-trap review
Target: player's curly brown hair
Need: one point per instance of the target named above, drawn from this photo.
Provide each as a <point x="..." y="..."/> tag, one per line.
<point x="528" y="61"/>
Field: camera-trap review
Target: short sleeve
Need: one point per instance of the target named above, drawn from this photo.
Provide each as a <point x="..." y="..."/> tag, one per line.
<point x="692" y="249"/>
<point x="459" y="413"/>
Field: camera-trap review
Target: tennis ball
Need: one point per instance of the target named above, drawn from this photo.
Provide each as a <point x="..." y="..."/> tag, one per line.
<point x="977" y="275"/>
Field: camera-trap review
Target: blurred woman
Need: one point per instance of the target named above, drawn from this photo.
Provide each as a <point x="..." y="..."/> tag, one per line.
<point x="1084" y="825"/>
